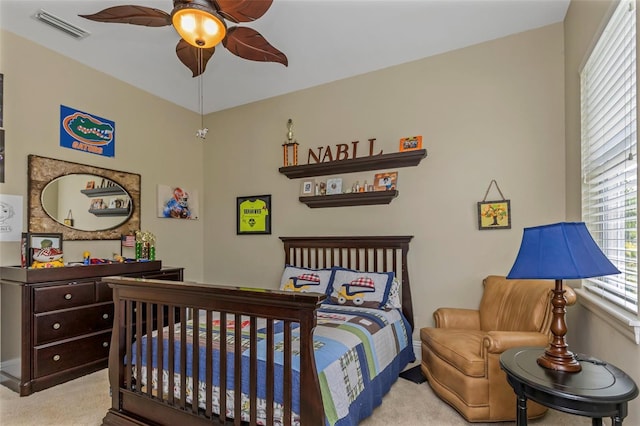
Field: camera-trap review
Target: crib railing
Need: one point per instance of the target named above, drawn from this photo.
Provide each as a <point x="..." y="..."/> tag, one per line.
<point x="148" y="311"/>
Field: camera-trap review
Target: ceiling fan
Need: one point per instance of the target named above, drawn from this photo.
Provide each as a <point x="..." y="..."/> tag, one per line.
<point x="201" y="24"/>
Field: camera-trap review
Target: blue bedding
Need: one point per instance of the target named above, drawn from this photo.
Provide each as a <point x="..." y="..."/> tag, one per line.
<point x="359" y="353"/>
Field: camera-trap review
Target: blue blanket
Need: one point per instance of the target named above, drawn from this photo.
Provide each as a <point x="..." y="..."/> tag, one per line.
<point x="359" y="353"/>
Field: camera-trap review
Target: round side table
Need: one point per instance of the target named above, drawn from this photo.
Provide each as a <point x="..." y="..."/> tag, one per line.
<point x="599" y="390"/>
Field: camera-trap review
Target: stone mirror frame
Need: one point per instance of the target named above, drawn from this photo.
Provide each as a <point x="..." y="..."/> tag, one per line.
<point x="44" y="170"/>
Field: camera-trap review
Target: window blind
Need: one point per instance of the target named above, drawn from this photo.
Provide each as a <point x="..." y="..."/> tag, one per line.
<point x="609" y="155"/>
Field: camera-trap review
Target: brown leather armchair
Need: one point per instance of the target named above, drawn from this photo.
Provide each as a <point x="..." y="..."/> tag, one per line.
<point x="461" y="354"/>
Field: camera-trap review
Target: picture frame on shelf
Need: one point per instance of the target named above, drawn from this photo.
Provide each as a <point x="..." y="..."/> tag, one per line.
<point x="253" y="215"/>
<point x="90" y="184"/>
<point x="385" y="181"/>
<point x="334" y="186"/>
<point x="308" y="187"/>
<point x="494" y="215"/>
<point x="411" y="143"/>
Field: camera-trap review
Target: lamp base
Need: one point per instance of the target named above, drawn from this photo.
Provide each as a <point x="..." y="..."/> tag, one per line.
<point x="559" y="361"/>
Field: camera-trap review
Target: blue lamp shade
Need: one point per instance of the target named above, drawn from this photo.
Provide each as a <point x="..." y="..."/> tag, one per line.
<point x="560" y="251"/>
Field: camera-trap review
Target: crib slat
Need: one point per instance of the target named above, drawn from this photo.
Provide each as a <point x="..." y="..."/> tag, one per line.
<point x="237" y="361"/>
<point x="223" y="367"/>
<point x="270" y="368"/>
<point x="172" y="355"/>
<point x="195" y="360"/>
<point x="209" y="365"/>
<point x="139" y="332"/>
<point x="148" y="332"/>
<point x="253" y="372"/>
<point x="160" y="350"/>
<point x="183" y="358"/>
<point x="128" y="339"/>
<point x="286" y="395"/>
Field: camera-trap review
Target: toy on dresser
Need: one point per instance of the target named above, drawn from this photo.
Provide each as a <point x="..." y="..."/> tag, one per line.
<point x="47" y="256"/>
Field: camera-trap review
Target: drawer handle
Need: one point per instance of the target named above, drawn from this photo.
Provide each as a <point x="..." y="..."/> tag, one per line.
<point x="56" y="326"/>
<point x="105" y="344"/>
<point x="68" y="296"/>
<point x="56" y="357"/>
<point x="105" y="316"/>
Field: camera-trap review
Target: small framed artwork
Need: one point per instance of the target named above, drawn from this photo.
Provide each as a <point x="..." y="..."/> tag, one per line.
<point x="90" y="184"/>
<point x="37" y="244"/>
<point x="308" y="187"/>
<point x="411" y="143"/>
<point x="253" y="215"/>
<point x="385" y="181"/>
<point x="334" y="186"/>
<point x="494" y="215"/>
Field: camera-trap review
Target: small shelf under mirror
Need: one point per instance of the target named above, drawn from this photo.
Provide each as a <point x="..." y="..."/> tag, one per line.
<point x="101" y="192"/>
<point x="109" y="212"/>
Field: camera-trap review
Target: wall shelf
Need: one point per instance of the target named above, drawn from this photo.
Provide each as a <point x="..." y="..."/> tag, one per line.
<point x="360" y="164"/>
<point x="353" y="199"/>
<point x="109" y="212"/>
<point x="101" y="192"/>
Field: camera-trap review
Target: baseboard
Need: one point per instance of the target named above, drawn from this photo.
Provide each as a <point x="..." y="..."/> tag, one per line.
<point x="417" y="350"/>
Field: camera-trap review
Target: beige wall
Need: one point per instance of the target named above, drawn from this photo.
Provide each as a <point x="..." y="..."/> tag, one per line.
<point x="491" y="111"/>
<point x="594" y="336"/>
<point x="153" y="138"/>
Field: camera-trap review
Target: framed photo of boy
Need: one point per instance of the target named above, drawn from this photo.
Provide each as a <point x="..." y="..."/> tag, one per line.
<point x="308" y="187"/>
<point x="494" y="215"/>
<point x="253" y="215"/>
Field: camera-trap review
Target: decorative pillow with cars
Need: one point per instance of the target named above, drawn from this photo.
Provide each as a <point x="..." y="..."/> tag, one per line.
<point x="355" y="288"/>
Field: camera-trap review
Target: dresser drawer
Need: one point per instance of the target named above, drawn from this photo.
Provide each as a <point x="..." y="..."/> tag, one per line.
<point x="73" y="353"/>
<point x="63" y="296"/>
<point x="60" y="325"/>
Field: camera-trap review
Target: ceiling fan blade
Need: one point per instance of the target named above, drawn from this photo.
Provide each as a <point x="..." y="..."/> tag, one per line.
<point x="249" y="44"/>
<point x="243" y="10"/>
<point x="190" y="56"/>
<point x="136" y="15"/>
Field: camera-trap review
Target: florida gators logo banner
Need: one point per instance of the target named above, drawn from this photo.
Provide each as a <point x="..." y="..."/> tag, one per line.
<point x="87" y="132"/>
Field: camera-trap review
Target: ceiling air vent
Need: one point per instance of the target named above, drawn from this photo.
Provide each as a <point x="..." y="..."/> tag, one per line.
<point x="60" y="24"/>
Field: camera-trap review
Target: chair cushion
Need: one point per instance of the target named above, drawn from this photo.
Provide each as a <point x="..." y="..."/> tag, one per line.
<point x="460" y="348"/>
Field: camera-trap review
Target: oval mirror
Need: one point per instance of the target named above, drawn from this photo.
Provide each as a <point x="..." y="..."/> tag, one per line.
<point x="86" y="202"/>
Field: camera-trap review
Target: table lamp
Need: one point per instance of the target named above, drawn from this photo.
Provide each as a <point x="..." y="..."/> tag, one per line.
<point x="559" y="251"/>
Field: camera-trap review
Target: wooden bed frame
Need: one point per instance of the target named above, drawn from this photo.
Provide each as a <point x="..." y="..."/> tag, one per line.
<point x="142" y="306"/>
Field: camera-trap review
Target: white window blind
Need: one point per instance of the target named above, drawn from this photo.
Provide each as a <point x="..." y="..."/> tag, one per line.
<point x="609" y="155"/>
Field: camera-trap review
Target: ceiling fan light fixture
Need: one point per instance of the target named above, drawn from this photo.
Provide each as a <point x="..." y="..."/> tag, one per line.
<point x="198" y="23"/>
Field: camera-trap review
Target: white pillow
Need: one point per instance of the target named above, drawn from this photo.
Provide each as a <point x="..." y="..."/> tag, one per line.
<point x="306" y="279"/>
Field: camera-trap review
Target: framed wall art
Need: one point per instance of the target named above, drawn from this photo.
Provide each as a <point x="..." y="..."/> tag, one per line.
<point x="494" y="214"/>
<point x="385" y="181"/>
<point x="334" y="186"/>
<point x="410" y="144"/>
<point x="308" y="187"/>
<point x="253" y="215"/>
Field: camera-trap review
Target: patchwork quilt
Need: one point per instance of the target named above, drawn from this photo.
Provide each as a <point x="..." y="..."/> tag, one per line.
<point x="359" y="353"/>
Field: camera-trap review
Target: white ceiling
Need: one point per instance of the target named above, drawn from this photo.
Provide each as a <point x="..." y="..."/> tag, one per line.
<point x="324" y="40"/>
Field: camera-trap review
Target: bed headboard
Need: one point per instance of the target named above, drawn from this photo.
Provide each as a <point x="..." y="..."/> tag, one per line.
<point x="375" y="254"/>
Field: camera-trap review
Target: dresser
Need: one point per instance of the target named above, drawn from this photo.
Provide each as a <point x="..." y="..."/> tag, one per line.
<point x="56" y="323"/>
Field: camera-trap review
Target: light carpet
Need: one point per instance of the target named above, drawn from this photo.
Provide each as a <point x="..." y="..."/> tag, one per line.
<point x="84" y="402"/>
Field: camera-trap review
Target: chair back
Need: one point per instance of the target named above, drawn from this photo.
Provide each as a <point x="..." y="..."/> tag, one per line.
<point x="518" y="305"/>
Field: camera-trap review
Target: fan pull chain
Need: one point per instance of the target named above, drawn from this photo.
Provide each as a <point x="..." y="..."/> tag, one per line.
<point x="202" y="132"/>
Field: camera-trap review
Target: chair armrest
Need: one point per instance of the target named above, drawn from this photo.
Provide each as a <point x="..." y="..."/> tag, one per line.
<point x="496" y="342"/>
<point x="467" y="319"/>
